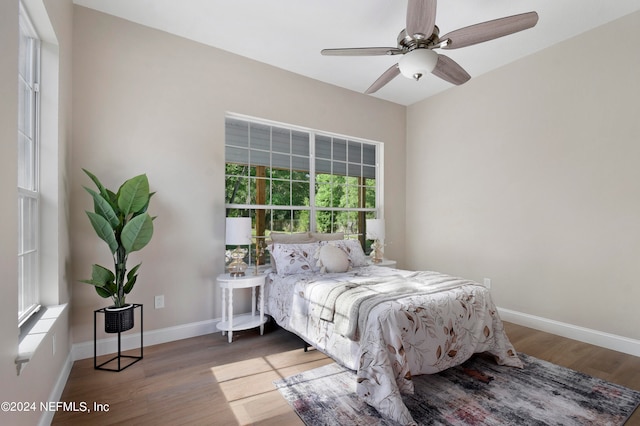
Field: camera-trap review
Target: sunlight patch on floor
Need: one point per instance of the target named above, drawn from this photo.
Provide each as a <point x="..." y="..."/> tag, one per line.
<point x="248" y="385"/>
<point x="236" y="370"/>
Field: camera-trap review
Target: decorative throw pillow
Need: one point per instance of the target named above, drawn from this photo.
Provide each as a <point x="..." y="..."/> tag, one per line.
<point x="321" y="236"/>
<point x="285" y="238"/>
<point x="294" y="258"/>
<point x="332" y="259"/>
<point x="353" y="250"/>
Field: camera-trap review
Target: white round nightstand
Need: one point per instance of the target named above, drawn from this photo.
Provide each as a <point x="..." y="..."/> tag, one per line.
<point x="387" y="263"/>
<point x="229" y="322"/>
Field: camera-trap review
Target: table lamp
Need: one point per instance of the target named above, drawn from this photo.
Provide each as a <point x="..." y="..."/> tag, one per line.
<point x="238" y="233"/>
<point x="375" y="232"/>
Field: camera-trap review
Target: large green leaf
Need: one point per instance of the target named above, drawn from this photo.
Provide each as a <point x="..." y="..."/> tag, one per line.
<point x="97" y="182"/>
<point x="113" y="198"/>
<point x="133" y="271"/>
<point x="137" y="233"/>
<point x="130" y="283"/>
<point x="102" y="274"/>
<point x="104" y="230"/>
<point x="131" y="279"/>
<point x="103" y="293"/>
<point x="103" y="281"/>
<point x="133" y="195"/>
<point x="104" y="208"/>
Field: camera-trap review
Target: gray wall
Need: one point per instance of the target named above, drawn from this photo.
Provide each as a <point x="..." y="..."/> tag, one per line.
<point x="529" y="176"/>
<point x="149" y="102"/>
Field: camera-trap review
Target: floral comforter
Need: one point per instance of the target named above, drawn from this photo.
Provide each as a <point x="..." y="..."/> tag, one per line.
<point x="424" y="331"/>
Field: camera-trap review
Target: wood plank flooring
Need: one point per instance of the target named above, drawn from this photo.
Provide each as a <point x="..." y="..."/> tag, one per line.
<point x="207" y="381"/>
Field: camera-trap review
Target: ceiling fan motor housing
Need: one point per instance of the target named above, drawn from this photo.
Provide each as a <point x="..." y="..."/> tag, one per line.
<point x="418" y="58"/>
<point x="418" y="62"/>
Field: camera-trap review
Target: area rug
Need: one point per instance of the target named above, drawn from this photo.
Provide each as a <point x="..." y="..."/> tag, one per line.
<point x="478" y="392"/>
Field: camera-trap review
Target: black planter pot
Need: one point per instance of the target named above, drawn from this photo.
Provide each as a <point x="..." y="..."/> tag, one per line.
<point x="117" y="320"/>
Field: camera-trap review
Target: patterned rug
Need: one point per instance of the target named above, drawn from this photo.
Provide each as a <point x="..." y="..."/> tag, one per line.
<point x="478" y="392"/>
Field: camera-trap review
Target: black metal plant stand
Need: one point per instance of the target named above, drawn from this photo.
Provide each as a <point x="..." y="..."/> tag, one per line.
<point x="119" y="356"/>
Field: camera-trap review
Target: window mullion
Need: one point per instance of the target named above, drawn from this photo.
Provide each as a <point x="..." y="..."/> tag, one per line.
<point x="379" y="182"/>
<point x="312" y="181"/>
<point x="36" y="115"/>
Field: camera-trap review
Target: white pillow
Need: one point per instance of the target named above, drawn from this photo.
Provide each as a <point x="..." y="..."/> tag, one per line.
<point x="332" y="259"/>
<point x="285" y="238"/>
<point x="353" y="249"/>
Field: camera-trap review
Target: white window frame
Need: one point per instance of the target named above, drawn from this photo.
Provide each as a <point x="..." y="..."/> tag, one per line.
<point x="312" y="208"/>
<point x="28" y="171"/>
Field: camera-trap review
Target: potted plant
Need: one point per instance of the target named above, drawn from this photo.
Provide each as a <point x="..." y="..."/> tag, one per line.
<point x="121" y="220"/>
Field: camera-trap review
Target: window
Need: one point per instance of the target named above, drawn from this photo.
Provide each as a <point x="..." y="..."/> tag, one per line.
<point x="345" y="184"/>
<point x="292" y="179"/>
<point x="28" y="196"/>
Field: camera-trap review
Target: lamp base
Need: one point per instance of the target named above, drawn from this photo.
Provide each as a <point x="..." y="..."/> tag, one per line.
<point x="377" y="255"/>
<point x="237" y="266"/>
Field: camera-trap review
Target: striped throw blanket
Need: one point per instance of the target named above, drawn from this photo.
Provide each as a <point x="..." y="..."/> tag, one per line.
<point x="348" y="304"/>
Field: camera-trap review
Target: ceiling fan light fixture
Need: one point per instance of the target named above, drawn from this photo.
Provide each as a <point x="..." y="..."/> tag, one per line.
<point x="417" y="63"/>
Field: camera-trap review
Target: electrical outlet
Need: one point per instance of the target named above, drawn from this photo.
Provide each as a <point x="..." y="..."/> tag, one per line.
<point x="159" y="302"/>
<point x="487" y="282"/>
<point x="53" y="343"/>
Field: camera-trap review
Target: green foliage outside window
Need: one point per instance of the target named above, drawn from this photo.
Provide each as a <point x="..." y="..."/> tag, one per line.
<point x="331" y="191"/>
<point x="268" y="177"/>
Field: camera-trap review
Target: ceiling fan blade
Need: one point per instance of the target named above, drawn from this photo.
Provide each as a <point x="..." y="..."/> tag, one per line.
<point x="362" y="51"/>
<point x="449" y="70"/>
<point x="489" y="30"/>
<point x="421" y="18"/>
<point x="386" y="77"/>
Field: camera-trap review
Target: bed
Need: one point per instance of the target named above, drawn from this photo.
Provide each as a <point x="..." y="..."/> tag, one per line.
<point x="386" y="324"/>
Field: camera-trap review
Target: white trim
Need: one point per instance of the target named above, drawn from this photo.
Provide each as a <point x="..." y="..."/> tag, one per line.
<point x="582" y="334"/>
<point x="380" y="181"/>
<point x="37" y="13"/>
<point x="56" y="392"/>
<point x="32" y="339"/>
<point x="154" y="337"/>
<point x="312" y="179"/>
<point x="24" y="18"/>
<point x="29" y="278"/>
<point x="130" y="341"/>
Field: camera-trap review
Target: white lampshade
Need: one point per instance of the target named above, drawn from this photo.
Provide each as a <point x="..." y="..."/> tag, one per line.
<point x="417" y="63"/>
<point x="238" y="231"/>
<point x="375" y="229"/>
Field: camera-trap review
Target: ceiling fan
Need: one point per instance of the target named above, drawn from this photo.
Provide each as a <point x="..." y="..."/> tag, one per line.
<point x="417" y="41"/>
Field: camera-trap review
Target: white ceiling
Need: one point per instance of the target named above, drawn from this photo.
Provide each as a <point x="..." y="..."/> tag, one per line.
<point x="289" y="34"/>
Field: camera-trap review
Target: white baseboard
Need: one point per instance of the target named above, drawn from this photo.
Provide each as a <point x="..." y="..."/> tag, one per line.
<point x="131" y="341"/>
<point x="594" y="337"/>
<point x="153" y="337"/>
<point x="56" y="392"/>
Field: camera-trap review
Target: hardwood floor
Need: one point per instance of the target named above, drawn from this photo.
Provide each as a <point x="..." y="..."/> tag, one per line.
<point x="207" y="381"/>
